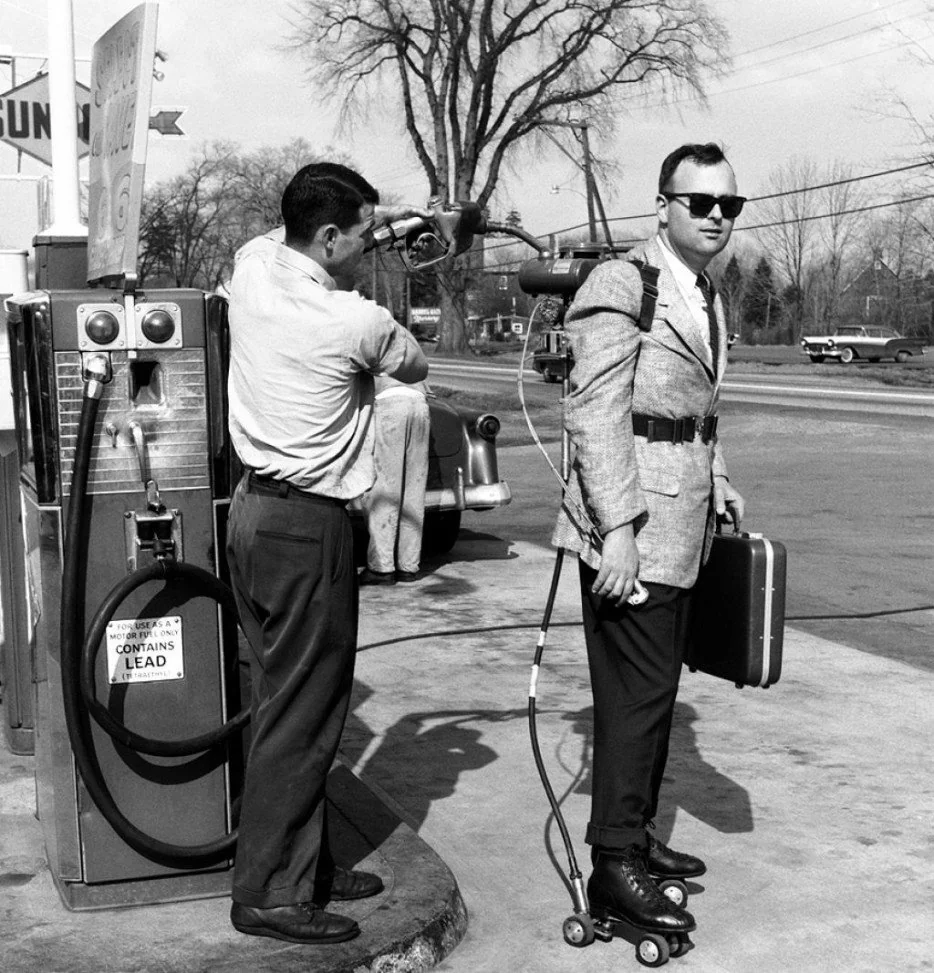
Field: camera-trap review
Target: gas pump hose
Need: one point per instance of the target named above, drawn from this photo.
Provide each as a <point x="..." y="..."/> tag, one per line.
<point x="72" y="653"/>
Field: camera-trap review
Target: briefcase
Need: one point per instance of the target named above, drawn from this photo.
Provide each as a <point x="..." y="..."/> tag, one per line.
<point x="738" y="611"/>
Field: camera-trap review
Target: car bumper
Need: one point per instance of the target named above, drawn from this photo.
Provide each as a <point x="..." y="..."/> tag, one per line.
<point x="471" y="496"/>
<point x="826" y="352"/>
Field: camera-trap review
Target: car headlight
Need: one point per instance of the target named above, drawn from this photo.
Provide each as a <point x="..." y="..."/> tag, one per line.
<point x="831" y="343"/>
<point x="488" y="427"/>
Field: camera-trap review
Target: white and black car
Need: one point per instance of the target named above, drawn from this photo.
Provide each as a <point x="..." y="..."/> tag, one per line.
<point x="854" y="342"/>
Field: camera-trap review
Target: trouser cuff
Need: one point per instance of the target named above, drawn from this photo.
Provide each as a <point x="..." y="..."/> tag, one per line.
<point x="615" y="838"/>
<point x="271" y="898"/>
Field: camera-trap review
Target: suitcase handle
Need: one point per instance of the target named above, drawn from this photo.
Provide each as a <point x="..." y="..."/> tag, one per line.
<point x="721" y="521"/>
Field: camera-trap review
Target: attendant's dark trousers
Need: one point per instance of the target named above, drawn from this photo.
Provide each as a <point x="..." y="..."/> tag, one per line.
<point x="291" y="567"/>
<point x="635" y="655"/>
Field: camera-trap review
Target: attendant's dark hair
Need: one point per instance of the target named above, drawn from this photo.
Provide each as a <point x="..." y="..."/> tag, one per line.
<point x="708" y="154"/>
<point x="320" y="193"/>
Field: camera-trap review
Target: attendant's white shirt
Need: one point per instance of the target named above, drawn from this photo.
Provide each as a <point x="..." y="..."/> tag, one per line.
<point x="302" y="355"/>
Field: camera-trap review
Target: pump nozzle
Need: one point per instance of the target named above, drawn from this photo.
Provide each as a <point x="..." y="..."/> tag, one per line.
<point x="425" y="241"/>
<point x="96" y="374"/>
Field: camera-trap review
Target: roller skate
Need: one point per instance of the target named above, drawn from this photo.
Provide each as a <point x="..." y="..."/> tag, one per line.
<point x="625" y="902"/>
<point x="670" y="868"/>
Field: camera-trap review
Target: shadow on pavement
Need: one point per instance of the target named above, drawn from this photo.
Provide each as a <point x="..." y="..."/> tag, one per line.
<point x="691" y="784"/>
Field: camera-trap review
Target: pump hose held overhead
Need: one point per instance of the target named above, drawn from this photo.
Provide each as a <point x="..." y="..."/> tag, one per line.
<point x="73" y="673"/>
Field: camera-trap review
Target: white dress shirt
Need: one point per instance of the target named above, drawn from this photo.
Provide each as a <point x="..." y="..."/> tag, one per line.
<point x="302" y="355"/>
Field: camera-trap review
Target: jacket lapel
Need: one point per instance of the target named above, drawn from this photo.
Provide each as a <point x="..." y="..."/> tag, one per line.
<point x="679" y="317"/>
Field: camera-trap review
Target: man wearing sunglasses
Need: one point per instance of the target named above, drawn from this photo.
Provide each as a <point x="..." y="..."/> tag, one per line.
<point x="647" y="483"/>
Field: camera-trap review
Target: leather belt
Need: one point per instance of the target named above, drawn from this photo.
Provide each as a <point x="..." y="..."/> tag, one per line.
<point x="659" y="430"/>
<point x="257" y="483"/>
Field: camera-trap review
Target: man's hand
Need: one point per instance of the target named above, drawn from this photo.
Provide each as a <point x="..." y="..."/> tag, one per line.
<point x="398" y="211"/>
<point x="727" y="501"/>
<point x="619" y="565"/>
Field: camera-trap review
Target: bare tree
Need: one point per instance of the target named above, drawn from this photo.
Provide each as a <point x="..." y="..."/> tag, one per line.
<point x="840" y="234"/>
<point x="193" y="225"/>
<point x="902" y="239"/>
<point x="790" y="234"/>
<point x="477" y="79"/>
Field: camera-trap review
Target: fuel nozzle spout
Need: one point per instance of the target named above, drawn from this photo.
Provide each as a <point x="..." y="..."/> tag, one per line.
<point x="424" y="241"/>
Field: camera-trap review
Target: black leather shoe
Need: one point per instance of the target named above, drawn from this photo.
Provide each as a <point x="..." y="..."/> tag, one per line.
<point x="346" y="884"/>
<point x="406" y="575"/>
<point x="621" y="888"/>
<point x="662" y="862"/>
<point x="303" y="922"/>
<point x="377" y="577"/>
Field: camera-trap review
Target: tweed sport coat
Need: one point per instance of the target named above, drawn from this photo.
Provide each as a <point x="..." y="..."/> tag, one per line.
<point x="666" y="489"/>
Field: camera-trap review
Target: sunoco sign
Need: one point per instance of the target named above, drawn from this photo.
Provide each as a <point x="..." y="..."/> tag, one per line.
<point x="26" y="121"/>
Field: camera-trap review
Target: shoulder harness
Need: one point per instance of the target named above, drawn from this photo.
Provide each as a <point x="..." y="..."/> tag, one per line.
<point x="649" y="276"/>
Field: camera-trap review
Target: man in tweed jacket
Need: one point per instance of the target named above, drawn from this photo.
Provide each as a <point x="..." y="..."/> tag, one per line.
<point x="648" y="479"/>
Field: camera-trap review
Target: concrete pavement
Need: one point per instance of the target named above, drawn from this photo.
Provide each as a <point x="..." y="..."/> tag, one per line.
<point x="812" y="803"/>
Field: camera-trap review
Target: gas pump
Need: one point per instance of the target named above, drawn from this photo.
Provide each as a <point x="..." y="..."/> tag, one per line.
<point x="125" y="477"/>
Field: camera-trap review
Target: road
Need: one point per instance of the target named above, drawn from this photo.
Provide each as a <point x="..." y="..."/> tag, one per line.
<point x="809" y="392"/>
<point x="844" y="477"/>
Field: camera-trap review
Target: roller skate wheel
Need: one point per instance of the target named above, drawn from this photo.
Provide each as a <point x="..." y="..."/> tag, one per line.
<point x="578" y="931"/>
<point x="679" y="945"/>
<point x="675" y="891"/>
<point x="653" y="950"/>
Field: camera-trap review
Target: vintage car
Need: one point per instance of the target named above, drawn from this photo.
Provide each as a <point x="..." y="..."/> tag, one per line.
<point x="867" y="343"/>
<point x="463" y="474"/>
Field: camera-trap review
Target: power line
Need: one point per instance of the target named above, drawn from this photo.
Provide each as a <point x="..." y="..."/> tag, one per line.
<point x="842" y="212"/>
<point x="787" y="192"/>
<point x="841" y="182"/>
<point x="756" y="226"/>
<point x="817" y="30"/>
<point x="785" y="77"/>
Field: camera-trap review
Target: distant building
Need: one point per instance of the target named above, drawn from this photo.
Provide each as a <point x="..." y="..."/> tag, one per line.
<point x="878" y="296"/>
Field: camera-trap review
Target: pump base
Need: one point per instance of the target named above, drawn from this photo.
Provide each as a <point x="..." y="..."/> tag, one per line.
<point x="80" y="897"/>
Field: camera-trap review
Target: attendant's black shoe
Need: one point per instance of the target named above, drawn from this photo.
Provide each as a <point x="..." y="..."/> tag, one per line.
<point x="346" y="884"/>
<point x="303" y="922"/>
<point x="377" y="577"/>
<point x="407" y="575"/>
<point x="621" y="888"/>
<point x="662" y="862"/>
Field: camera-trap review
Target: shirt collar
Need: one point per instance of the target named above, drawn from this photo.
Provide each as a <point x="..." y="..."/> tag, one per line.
<point x="305" y="265"/>
<point x="272" y="245"/>
<point x="686" y="278"/>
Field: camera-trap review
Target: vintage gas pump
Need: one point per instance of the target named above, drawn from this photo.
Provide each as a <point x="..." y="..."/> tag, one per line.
<point x="125" y="474"/>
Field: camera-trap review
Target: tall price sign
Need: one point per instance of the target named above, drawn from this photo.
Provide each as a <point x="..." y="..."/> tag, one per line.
<point x="121" y="94"/>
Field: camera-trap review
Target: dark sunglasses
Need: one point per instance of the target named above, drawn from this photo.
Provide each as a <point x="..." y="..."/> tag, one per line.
<point x="700" y="204"/>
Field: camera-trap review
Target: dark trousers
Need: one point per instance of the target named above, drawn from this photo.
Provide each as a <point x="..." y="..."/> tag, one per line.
<point x="635" y="655"/>
<point x="291" y="568"/>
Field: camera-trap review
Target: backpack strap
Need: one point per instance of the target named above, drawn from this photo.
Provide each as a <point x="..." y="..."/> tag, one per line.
<point x="649" y="276"/>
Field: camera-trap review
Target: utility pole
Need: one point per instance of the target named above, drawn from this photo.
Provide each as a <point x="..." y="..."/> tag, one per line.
<point x="589" y="180"/>
<point x="593" y="195"/>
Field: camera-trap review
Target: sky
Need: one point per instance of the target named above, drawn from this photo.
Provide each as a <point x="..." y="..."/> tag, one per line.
<point x="808" y="80"/>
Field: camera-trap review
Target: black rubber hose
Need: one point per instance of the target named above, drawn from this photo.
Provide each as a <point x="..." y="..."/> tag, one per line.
<point x="202" y="582"/>
<point x="76" y="720"/>
<point x="573" y="869"/>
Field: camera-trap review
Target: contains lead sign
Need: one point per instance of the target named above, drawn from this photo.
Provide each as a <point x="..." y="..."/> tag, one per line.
<point x="145" y="649"/>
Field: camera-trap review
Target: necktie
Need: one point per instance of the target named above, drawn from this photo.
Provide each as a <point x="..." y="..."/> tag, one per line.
<point x="706" y="289"/>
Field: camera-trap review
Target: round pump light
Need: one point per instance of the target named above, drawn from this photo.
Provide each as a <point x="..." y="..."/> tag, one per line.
<point x="158" y="325"/>
<point x="102" y="327"/>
